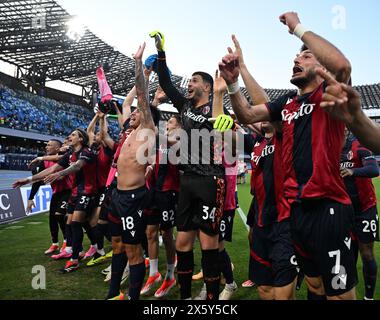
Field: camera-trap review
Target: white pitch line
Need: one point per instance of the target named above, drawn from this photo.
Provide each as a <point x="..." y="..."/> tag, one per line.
<point x="243" y="217"/>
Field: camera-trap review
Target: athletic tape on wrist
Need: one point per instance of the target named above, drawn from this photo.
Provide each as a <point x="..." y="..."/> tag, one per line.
<point x="233" y="88"/>
<point x="299" y="31"/>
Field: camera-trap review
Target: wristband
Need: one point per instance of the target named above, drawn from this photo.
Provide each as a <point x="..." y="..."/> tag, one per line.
<point x="300" y="30"/>
<point x="30" y="179"/>
<point x="40" y="158"/>
<point x="233" y="88"/>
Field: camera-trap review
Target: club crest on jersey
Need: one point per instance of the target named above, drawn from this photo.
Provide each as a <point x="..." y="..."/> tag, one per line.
<point x="205" y="110"/>
<point x="305" y="109"/>
<point x="350" y="155"/>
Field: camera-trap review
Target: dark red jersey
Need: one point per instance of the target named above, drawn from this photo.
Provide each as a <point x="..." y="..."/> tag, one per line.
<point x="84" y="182"/>
<point x="103" y="164"/>
<point x="312" y="144"/>
<point x="268" y="181"/>
<point x="359" y="185"/>
<point x="166" y="174"/>
<point x="59" y="185"/>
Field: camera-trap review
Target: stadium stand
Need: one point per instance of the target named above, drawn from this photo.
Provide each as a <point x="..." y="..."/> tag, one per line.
<point x="25" y="111"/>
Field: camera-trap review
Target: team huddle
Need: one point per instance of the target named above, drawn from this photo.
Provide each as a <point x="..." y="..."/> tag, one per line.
<point x="313" y="207"/>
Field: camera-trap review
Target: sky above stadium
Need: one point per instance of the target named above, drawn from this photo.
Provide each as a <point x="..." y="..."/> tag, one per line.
<point x="197" y="32"/>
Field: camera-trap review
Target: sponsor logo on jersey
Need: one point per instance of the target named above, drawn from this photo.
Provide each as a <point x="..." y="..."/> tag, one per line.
<point x="194" y="117"/>
<point x="305" y="109"/>
<point x="347" y="165"/>
<point x="268" y="150"/>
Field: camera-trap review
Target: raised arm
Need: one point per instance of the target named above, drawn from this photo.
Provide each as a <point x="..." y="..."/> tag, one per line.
<point x="142" y="90"/>
<point x="326" y="53"/>
<point x="91" y="129"/>
<point x="163" y="73"/>
<point x="229" y="69"/>
<point x="106" y="138"/>
<point x="255" y="91"/>
<point x="127" y="103"/>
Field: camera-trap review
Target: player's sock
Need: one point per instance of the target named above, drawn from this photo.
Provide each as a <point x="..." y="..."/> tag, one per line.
<point x="53" y="225"/>
<point x="101" y="231"/>
<point x="211" y="273"/>
<point x="185" y="268"/>
<point x="119" y="262"/>
<point x="61" y="222"/>
<point x="77" y="230"/>
<point x="136" y="278"/>
<point x="369" y="275"/>
<point x="170" y="272"/>
<point x="225" y="266"/>
<point x="153" y="267"/>
<point x="69" y="235"/>
<point x="90" y="232"/>
<point x="313" y="296"/>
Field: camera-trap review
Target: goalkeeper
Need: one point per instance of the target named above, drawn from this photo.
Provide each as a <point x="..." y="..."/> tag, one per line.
<point x="202" y="184"/>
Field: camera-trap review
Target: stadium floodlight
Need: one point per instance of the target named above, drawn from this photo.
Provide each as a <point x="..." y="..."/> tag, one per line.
<point x="75" y="29"/>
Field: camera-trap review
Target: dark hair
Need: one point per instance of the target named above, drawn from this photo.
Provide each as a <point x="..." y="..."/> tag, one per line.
<point x="177" y="117"/>
<point x="83" y="134"/>
<point x="156" y="115"/>
<point x="56" y="140"/>
<point x="205" y="77"/>
<point x="304" y="48"/>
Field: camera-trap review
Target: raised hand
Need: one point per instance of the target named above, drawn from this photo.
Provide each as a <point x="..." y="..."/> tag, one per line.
<point x="229" y="67"/>
<point x="140" y="51"/>
<point x="220" y="85"/>
<point x="291" y="20"/>
<point x="238" y="50"/>
<point x="339" y="99"/>
<point x="101" y="114"/>
<point x="159" y="40"/>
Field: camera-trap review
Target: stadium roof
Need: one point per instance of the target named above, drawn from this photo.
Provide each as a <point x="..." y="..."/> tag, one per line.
<point x="33" y="35"/>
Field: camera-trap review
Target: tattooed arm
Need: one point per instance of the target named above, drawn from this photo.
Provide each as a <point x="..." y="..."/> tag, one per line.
<point x="142" y="91"/>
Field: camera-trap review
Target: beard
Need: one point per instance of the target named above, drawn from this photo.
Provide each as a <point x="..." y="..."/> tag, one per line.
<point x="302" y="82"/>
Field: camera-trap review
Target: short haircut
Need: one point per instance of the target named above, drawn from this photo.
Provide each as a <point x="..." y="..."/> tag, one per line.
<point x="57" y="141"/>
<point x="205" y="77"/>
